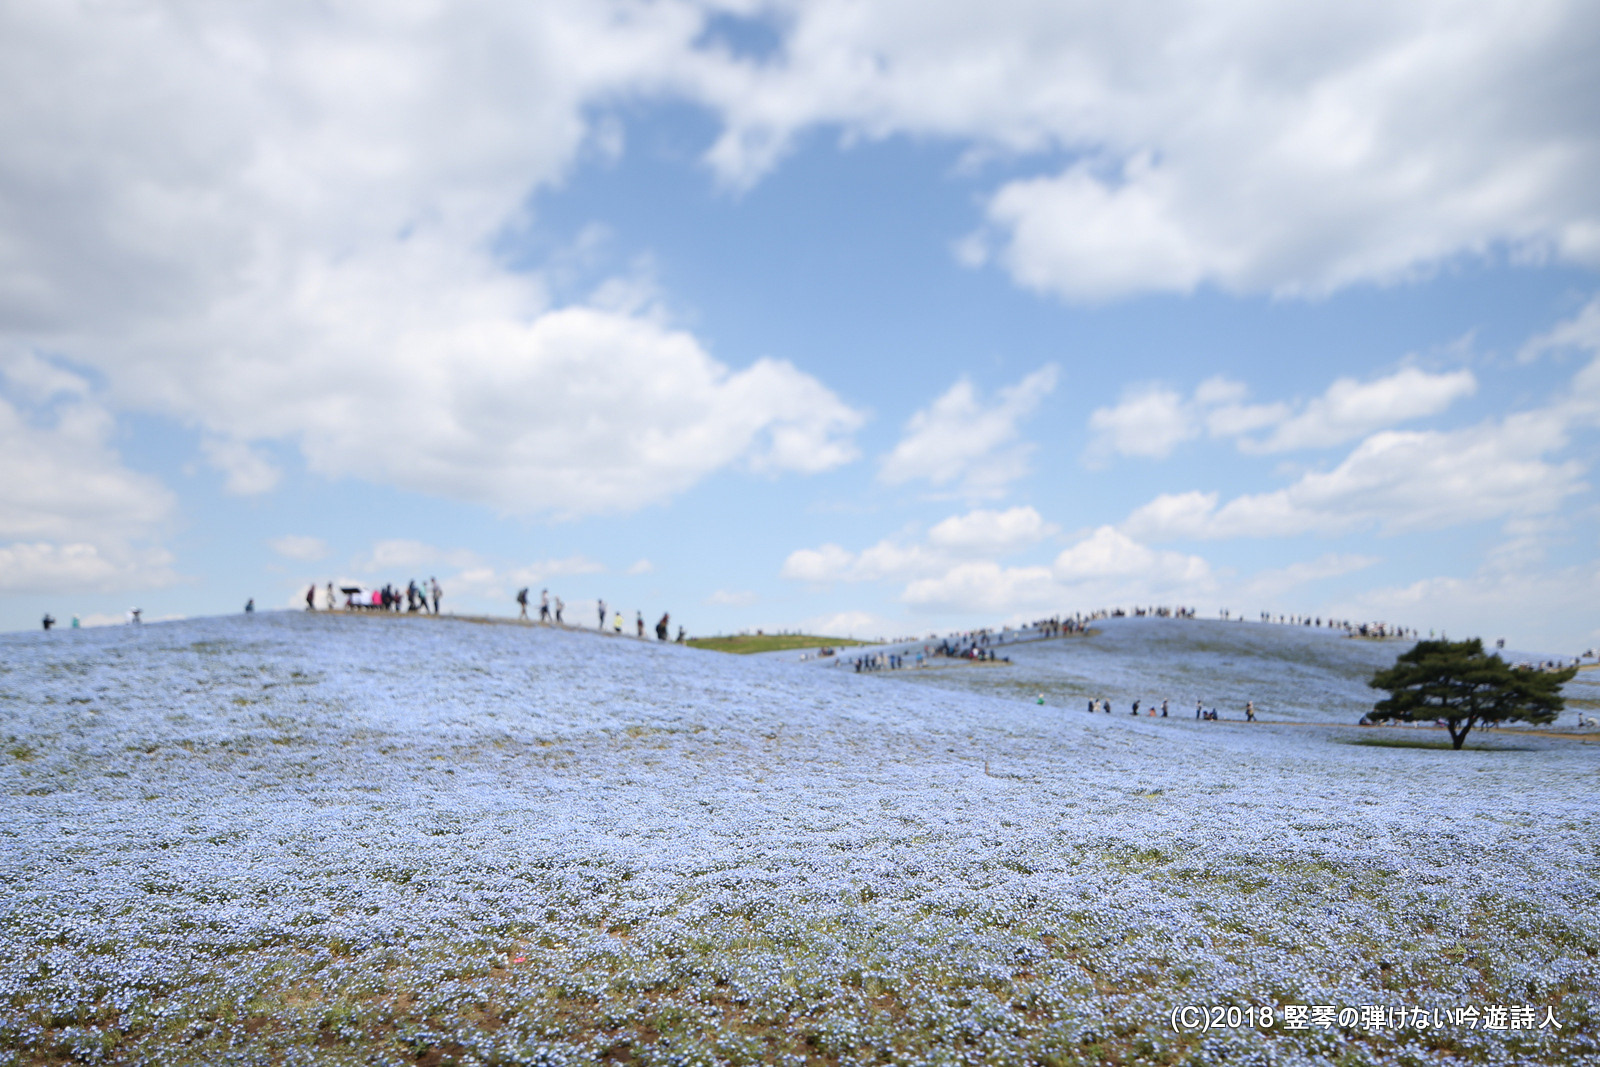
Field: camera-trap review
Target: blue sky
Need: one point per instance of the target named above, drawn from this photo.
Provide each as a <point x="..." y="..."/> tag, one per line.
<point x="876" y="319"/>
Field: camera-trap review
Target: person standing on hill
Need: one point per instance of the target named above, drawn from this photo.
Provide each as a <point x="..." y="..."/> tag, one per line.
<point x="1249" y="711"/>
<point x="437" y="593"/>
<point x="49" y="621"/>
<point x="311" y="598"/>
<point x="661" y="627"/>
<point x="559" y="606"/>
<point x="544" y="607"/>
<point x="522" y="603"/>
<point x="638" y="622"/>
<point x="600" y="605"/>
<point x="616" y="623"/>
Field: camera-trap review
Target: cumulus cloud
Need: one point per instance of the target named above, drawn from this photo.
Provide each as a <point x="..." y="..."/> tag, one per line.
<point x="961" y="439"/>
<point x="991" y="532"/>
<point x="1107" y="567"/>
<point x="1151" y="420"/>
<point x="978" y="532"/>
<point x="1532" y="609"/>
<point x="863" y="624"/>
<point x="77" y="567"/>
<point x="297" y="547"/>
<point x="1234" y="145"/>
<point x="732" y="598"/>
<point x="1581" y="332"/>
<point x="1274" y="582"/>
<point x="246" y="471"/>
<point x="81" y="519"/>
<point x="1393" y="481"/>
<point x="282" y="229"/>
<point x="1350" y="409"/>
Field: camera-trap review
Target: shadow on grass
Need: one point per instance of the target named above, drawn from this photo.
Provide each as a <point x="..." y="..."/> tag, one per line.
<point x="1406" y="742"/>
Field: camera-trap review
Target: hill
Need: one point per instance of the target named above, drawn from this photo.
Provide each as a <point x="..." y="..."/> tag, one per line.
<point x="751" y="643"/>
<point x="363" y="839"/>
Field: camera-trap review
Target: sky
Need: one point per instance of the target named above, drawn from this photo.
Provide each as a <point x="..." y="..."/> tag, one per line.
<point x="872" y="319"/>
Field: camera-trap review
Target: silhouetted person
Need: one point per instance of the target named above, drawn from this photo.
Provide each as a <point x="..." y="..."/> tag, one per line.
<point x="49" y="621"/>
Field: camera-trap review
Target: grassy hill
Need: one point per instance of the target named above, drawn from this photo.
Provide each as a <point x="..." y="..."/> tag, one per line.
<point x="746" y="643"/>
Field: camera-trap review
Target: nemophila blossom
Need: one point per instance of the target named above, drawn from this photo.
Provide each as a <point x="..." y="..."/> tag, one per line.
<point x="274" y="838"/>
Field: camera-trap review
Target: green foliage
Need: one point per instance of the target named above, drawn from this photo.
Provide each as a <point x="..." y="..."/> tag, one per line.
<point x="745" y="643"/>
<point x="1455" y="681"/>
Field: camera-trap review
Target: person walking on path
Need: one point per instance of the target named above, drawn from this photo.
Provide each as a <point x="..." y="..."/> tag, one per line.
<point x="544" y="607"/>
<point x="437" y="593"/>
<point x="1249" y="711"/>
<point x="600" y="605"/>
<point x="311" y="598"/>
<point x="522" y="603"/>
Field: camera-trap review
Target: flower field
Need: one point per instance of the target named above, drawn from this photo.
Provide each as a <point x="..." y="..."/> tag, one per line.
<point x="297" y="838"/>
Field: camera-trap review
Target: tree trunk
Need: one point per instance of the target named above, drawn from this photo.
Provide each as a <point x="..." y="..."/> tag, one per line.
<point x="1457" y="739"/>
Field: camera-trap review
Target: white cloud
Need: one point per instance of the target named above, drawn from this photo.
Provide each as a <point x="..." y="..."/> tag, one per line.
<point x="959" y="438"/>
<point x="991" y="532"/>
<point x="246" y="471"/>
<point x="1267" y="584"/>
<point x="641" y="566"/>
<point x="1533" y="610"/>
<point x="1582" y="332"/>
<point x="281" y="228"/>
<point x="474" y="580"/>
<point x="1392" y="481"/>
<point x="1105" y="568"/>
<point x="1351" y="409"/>
<point x="856" y="624"/>
<point x="736" y="598"/>
<point x="74" y="567"/>
<point x="1244" y="146"/>
<point x="81" y="520"/>
<point x="826" y="564"/>
<point x="978" y="532"/>
<point x="294" y="546"/>
<point x="985" y="587"/>
<point x="1151" y="420"/>
<point x="1109" y="553"/>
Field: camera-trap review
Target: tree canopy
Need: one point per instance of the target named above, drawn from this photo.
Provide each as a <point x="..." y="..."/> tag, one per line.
<point x="1456" y="682"/>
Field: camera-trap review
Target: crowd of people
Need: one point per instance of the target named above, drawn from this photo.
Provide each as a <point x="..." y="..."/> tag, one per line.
<point x="552" y="613"/>
<point x="417" y="597"/>
<point x="1351" y="629"/>
<point x="1201" y="712"/>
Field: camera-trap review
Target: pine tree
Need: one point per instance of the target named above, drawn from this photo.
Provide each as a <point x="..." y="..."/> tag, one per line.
<point x="1456" y="682"/>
